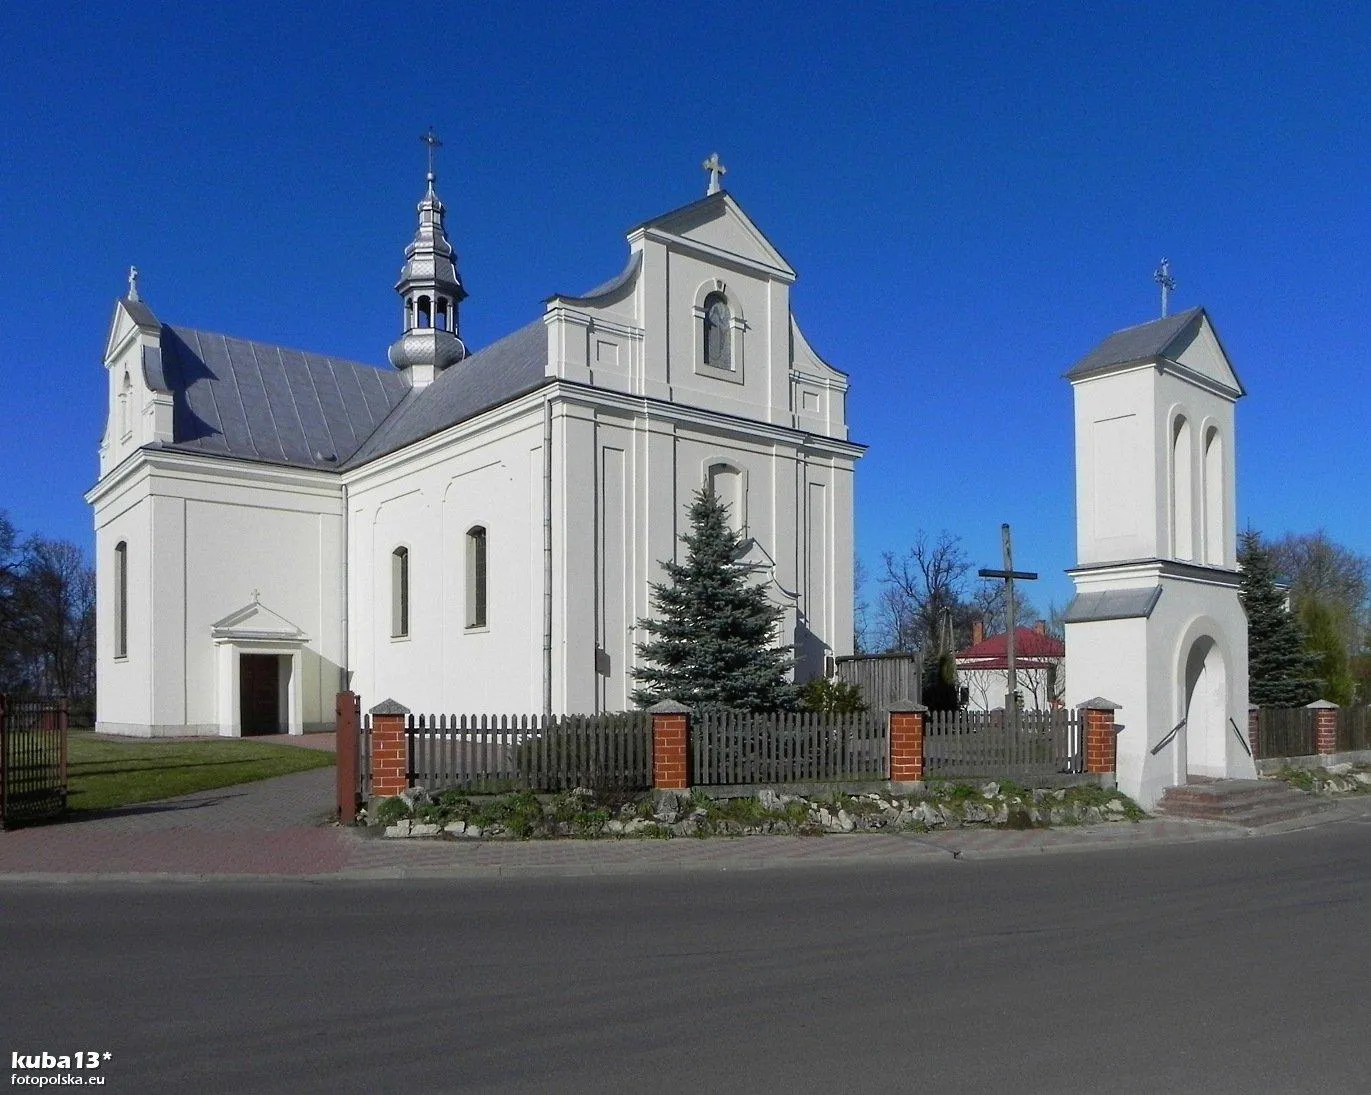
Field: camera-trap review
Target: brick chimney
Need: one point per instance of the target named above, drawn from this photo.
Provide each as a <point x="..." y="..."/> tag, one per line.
<point x="1040" y="627"/>
<point x="977" y="632"/>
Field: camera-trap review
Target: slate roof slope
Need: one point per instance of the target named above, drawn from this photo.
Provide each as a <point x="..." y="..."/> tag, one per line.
<point x="505" y="369"/>
<point x="1147" y="340"/>
<point x="252" y="400"/>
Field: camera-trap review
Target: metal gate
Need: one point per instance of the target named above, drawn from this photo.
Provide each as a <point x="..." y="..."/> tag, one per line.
<point x="33" y="759"/>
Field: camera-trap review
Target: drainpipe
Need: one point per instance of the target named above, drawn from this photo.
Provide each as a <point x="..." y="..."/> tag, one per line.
<point x="547" y="556"/>
<point x="343" y="673"/>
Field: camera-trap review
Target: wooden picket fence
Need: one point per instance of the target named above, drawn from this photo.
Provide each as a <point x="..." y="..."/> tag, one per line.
<point x="481" y="753"/>
<point x="977" y="743"/>
<point x="1354" y="729"/>
<point x="736" y="747"/>
<point x="1285" y="732"/>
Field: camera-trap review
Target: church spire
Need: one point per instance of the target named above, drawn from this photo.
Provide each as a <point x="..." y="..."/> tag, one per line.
<point x="431" y="289"/>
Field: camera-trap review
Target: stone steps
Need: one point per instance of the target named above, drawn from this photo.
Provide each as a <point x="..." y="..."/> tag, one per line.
<point x="1249" y="802"/>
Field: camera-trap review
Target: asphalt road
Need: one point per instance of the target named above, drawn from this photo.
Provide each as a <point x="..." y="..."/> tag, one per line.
<point x="1235" y="966"/>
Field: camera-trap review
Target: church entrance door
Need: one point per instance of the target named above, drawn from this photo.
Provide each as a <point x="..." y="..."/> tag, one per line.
<point x="260" y="693"/>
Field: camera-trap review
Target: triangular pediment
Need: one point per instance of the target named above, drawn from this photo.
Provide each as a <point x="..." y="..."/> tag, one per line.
<point x="1198" y="349"/>
<point x="131" y="318"/>
<point x="256" y="621"/>
<point x="719" y="223"/>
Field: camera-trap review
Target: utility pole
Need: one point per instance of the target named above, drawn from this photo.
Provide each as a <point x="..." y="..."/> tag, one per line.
<point x="1008" y="575"/>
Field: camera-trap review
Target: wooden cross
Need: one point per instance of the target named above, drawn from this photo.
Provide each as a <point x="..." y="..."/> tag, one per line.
<point x="1009" y="574"/>
<point x="715" y="169"/>
<point x="431" y="139"/>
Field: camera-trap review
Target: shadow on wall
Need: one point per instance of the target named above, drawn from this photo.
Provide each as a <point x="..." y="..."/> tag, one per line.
<point x="810" y="653"/>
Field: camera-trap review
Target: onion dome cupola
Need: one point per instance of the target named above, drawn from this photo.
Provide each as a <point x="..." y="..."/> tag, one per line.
<point x="431" y="289"/>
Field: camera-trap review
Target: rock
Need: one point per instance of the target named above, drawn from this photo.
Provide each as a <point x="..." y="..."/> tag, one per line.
<point x="667" y="806"/>
<point x="1001" y="815"/>
<point x="1059" y="794"/>
<point x="976" y="812"/>
<point x="424" y="828"/>
<point x="455" y="828"/>
<point x="615" y="827"/>
<point x="683" y="828"/>
<point x="1115" y="806"/>
<point x="474" y="831"/>
<point x="414" y="797"/>
<point x="991" y="789"/>
<point x="844" y="822"/>
<point x="400" y="828"/>
<point x="825" y="818"/>
<point x="1092" y="814"/>
<point x="1338" y="769"/>
<point x="1364" y="778"/>
<point x="949" y="816"/>
<point x="769" y="800"/>
<point x="1060" y="815"/>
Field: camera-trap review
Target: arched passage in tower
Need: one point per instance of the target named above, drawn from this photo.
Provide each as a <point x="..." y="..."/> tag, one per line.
<point x="1204" y="704"/>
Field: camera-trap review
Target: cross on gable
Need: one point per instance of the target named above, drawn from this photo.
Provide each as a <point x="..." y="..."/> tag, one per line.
<point x="715" y="168"/>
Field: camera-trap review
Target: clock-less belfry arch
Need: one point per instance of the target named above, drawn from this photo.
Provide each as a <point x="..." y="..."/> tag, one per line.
<point x="1156" y="625"/>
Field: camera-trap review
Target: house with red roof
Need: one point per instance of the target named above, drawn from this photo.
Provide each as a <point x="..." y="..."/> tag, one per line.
<point x="1039" y="663"/>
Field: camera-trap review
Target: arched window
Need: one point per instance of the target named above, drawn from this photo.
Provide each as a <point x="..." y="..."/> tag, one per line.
<point x="1213" y="498"/>
<point x="125" y="407"/>
<point x="399" y="593"/>
<point x="121" y="600"/>
<point x="1182" y="492"/>
<point x="718" y="332"/>
<point x="425" y="315"/>
<point x="726" y="483"/>
<point x="476" y="577"/>
<point x="440" y="314"/>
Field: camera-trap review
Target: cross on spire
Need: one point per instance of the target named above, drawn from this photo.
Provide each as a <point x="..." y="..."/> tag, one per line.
<point x="133" y="284"/>
<point x="1162" y="276"/>
<point x="431" y="139"/>
<point x="715" y="169"/>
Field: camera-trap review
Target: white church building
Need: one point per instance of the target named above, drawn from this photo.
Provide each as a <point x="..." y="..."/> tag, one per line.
<point x="469" y="532"/>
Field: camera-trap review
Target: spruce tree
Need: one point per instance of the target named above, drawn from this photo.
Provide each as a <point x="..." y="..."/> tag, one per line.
<point x="712" y="644"/>
<point x="1280" y="671"/>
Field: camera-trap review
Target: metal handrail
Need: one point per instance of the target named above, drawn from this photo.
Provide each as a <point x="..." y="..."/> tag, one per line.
<point x="1167" y="740"/>
<point x="1241" y="737"/>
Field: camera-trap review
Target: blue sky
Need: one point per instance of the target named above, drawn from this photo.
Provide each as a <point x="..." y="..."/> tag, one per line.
<point x="973" y="194"/>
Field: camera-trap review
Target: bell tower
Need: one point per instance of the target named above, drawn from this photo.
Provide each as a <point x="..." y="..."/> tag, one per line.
<point x="432" y="291"/>
<point x="1156" y="624"/>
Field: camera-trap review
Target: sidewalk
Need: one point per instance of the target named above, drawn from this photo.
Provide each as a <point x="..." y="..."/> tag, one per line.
<point x="276" y="829"/>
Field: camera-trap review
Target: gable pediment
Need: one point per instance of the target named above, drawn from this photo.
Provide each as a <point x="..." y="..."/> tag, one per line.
<point x="131" y="320"/>
<point x="718" y="224"/>
<point x="255" y="621"/>
<point x="1197" y="349"/>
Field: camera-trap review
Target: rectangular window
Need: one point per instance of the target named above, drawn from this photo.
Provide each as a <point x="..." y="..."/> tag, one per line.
<point x="121" y="600"/>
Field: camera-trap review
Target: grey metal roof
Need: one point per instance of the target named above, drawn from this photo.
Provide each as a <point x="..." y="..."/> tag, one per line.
<point x="505" y="369"/>
<point x="1147" y="340"/>
<point x="140" y="313"/>
<point x="261" y="402"/>
<point x="1122" y="604"/>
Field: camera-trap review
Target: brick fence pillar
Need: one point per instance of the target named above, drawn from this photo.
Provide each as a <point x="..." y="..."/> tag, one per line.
<point x="389" y="749"/>
<point x="1101" y="735"/>
<point x="906" y="726"/>
<point x="1325" y="726"/>
<point x="670" y="746"/>
<point x="1254" y="729"/>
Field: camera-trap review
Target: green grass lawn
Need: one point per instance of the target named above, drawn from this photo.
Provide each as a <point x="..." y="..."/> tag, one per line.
<point x="101" y="774"/>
